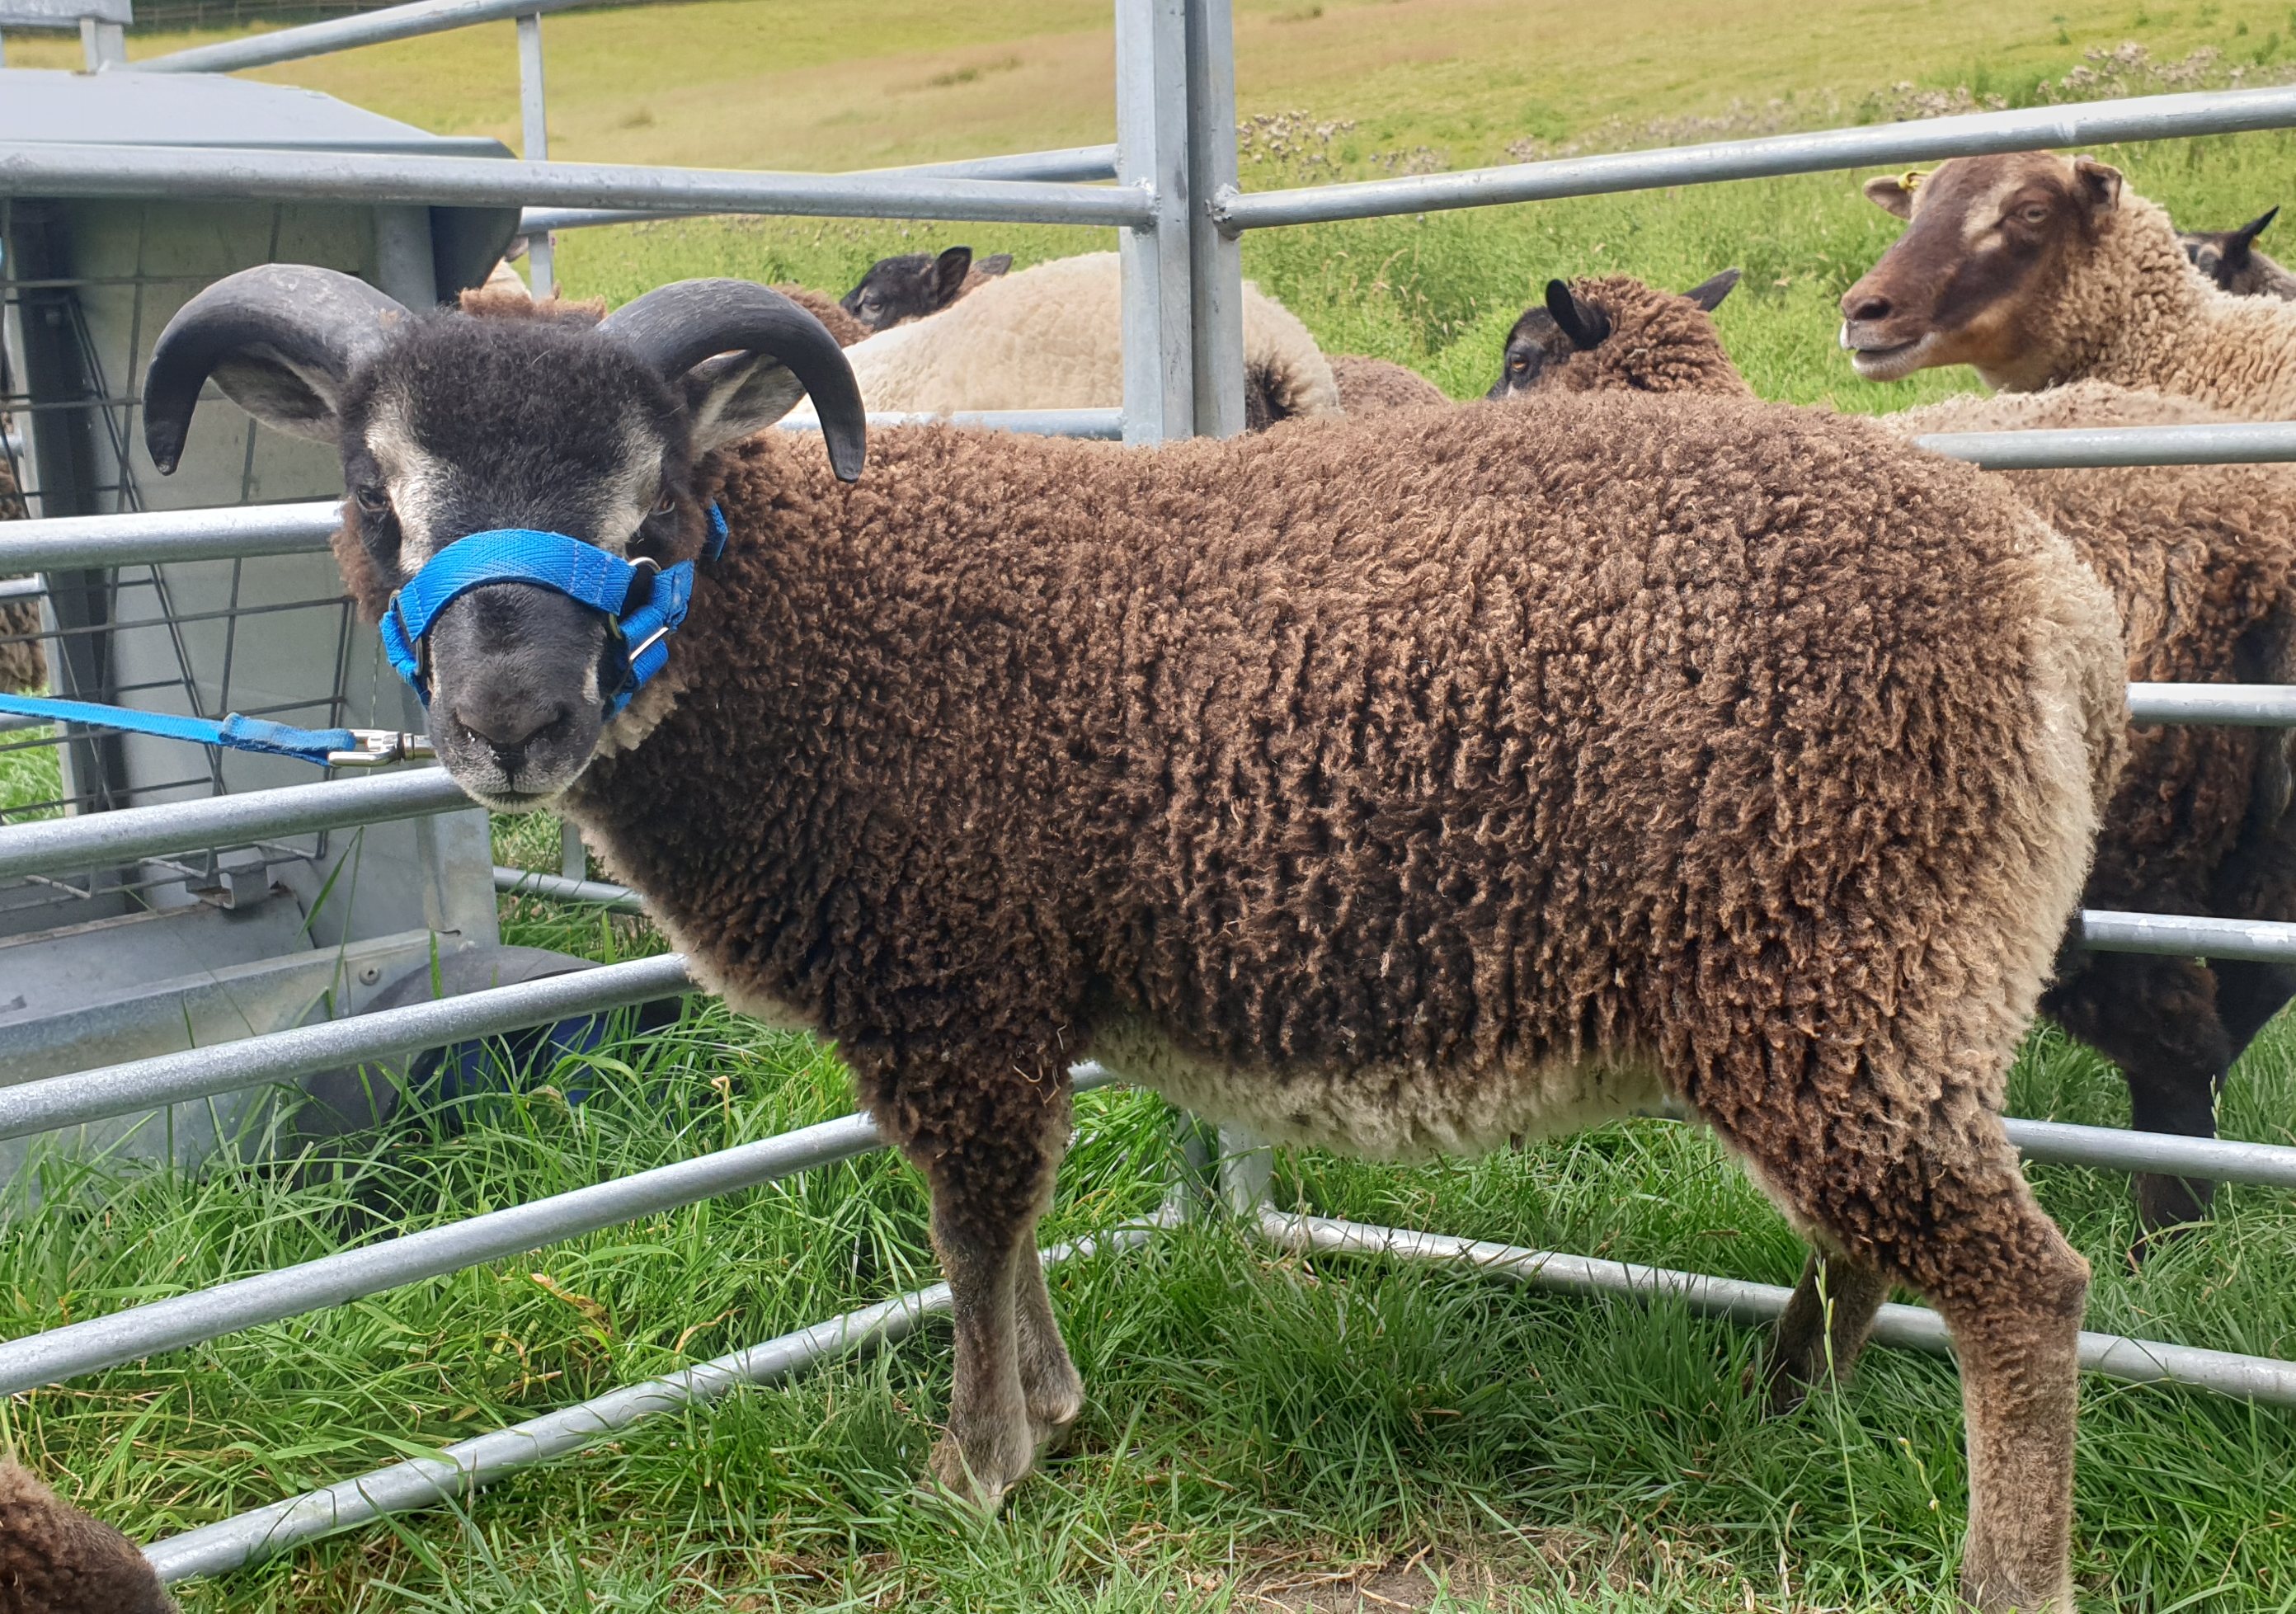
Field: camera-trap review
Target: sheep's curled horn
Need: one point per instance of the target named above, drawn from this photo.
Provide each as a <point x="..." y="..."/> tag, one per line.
<point x="677" y="327"/>
<point x="288" y="332"/>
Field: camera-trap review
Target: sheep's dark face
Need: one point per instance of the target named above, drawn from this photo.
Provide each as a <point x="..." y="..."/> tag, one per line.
<point x="450" y="426"/>
<point x="898" y="289"/>
<point x="2228" y="259"/>
<point x="1580" y="317"/>
<point x="1536" y="347"/>
<point x="471" y="425"/>
<point x="1988" y="243"/>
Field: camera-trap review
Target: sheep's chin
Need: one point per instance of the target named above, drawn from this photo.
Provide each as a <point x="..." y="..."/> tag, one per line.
<point x="1893" y="364"/>
<point x="647" y="709"/>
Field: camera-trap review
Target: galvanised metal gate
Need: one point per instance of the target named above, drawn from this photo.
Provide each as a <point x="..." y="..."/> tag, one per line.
<point x="1182" y="214"/>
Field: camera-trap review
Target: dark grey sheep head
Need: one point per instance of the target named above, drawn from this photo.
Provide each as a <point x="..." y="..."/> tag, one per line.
<point x="898" y="289"/>
<point x="2229" y="259"/>
<point x="553" y="419"/>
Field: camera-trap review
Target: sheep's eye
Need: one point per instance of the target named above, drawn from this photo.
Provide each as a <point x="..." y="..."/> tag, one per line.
<point x="2035" y="213"/>
<point x="1518" y="365"/>
<point x="663" y="505"/>
<point x="372" y="498"/>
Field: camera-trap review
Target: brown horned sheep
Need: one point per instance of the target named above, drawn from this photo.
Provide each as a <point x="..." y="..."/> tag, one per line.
<point x="2230" y="261"/>
<point x="2201" y="561"/>
<point x="2038" y="269"/>
<point x="57" y="1559"/>
<point x="1407" y="785"/>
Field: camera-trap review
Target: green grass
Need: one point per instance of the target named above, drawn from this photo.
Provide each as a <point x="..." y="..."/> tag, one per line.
<point x="1254" y="1419"/>
<point x="31" y="772"/>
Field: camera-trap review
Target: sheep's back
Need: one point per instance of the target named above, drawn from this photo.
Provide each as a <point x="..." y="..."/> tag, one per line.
<point x="1502" y="732"/>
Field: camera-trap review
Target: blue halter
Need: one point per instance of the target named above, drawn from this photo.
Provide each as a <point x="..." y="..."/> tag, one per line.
<point x="641" y="616"/>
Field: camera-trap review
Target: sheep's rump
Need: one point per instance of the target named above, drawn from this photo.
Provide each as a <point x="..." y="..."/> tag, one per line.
<point x="2201" y="560"/>
<point x="1746" y="743"/>
<point x="1051" y="338"/>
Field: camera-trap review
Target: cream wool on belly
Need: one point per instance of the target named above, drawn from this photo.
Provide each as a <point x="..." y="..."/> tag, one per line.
<point x="1387" y="1112"/>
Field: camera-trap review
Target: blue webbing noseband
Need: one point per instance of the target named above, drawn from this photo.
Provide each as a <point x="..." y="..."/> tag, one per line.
<point x="549" y="560"/>
<point x="641" y="616"/>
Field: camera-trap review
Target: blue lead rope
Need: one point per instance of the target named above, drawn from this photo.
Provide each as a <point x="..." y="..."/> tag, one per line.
<point x="323" y="746"/>
<point x="548" y="560"/>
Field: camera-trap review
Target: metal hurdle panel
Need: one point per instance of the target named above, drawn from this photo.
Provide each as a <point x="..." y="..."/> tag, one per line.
<point x="1177" y="201"/>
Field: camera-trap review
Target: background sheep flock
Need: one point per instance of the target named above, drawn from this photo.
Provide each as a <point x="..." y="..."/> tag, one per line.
<point x="1261" y="1430"/>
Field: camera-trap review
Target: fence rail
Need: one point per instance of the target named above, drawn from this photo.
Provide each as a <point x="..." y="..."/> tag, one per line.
<point x="181" y="173"/>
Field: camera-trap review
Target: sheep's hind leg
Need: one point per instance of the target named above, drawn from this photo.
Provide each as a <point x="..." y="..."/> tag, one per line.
<point x="2158" y="1018"/>
<point x="1948" y="1213"/>
<point x="1822" y="1328"/>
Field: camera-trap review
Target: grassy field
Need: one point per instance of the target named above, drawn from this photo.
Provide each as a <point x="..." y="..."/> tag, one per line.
<point x="1264" y="1432"/>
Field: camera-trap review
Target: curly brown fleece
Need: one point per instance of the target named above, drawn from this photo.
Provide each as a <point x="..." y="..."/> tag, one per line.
<point x="1373" y="386"/>
<point x="2200" y="561"/>
<point x="57" y="1559"/>
<point x="983" y="759"/>
<point x="1659" y="342"/>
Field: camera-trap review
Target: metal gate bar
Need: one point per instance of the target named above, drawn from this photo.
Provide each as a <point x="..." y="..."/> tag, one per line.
<point x="2262" y="1379"/>
<point x="58" y="1353"/>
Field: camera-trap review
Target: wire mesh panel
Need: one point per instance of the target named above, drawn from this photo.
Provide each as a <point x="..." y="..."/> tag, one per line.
<point x="143" y="954"/>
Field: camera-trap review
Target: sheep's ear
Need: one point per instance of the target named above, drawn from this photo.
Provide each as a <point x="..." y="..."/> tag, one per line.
<point x="1583" y="323"/>
<point x="743" y="355"/>
<point x="948" y="274"/>
<point x="2100" y="186"/>
<point x="1890" y="193"/>
<point x="1708" y="294"/>
<point x="737" y="394"/>
<point x="2243" y="238"/>
<point x="999" y="263"/>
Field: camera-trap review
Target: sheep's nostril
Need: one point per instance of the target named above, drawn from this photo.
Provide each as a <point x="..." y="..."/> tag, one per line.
<point x="507" y="722"/>
<point x="1870" y="307"/>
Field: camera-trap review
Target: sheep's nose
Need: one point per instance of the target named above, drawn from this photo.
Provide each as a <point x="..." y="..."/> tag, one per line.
<point x="1860" y="305"/>
<point x="506" y="719"/>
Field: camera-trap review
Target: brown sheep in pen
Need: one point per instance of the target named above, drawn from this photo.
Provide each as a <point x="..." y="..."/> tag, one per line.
<point x="2038" y="270"/>
<point x="57" y="1559"/>
<point x="2201" y="561"/>
<point x="1408" y="785"/>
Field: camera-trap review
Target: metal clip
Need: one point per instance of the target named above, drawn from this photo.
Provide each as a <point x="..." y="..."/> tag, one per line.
<point x="379" y="747"/>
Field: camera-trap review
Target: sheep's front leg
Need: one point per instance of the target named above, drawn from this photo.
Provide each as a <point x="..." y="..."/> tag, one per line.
<point x="990" y="1444"/>
<point x="990" y="1154"/>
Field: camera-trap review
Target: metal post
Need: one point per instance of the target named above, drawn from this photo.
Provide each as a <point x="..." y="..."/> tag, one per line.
<point x="541" y="269"/>
<point x="1215" y="256"/>
<point x="1152" y="156"/>
<point x="102" y="44"/>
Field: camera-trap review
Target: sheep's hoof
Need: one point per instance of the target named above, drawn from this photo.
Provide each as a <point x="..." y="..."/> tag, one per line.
<point x="1054" y="1434"/>
<point x="958" y="1481"/>
<point x="1780" y="1388"/>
